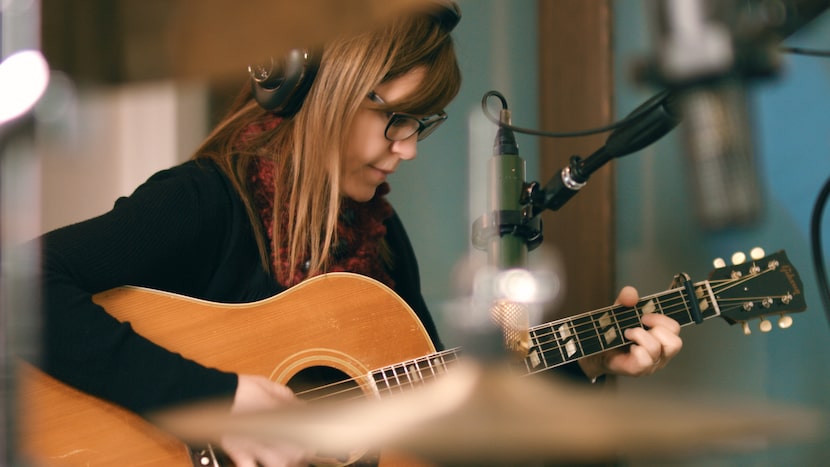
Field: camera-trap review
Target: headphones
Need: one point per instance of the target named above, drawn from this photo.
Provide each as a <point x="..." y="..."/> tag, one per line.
<point x="281" y="86"/>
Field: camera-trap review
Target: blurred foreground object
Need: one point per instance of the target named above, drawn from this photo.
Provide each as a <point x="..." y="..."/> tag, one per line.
<point x="23" y="79"/>
<point x="477" y="415"/>
<point x="117" y="41"/>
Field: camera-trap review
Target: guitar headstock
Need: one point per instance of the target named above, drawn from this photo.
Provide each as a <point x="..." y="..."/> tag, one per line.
<point x="758" y="287"/>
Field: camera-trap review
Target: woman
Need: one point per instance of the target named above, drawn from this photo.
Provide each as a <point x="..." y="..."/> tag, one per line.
<point x="267" y="201"/>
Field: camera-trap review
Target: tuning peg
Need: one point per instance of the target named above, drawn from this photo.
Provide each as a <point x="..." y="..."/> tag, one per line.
<point x="765" y="325"/>
<point x="785" y="321"/>
<point x="719" y="263"/>
<point x="757" y="253"/>
<point x="745" y="327"/>
<point x="738" y="258"/>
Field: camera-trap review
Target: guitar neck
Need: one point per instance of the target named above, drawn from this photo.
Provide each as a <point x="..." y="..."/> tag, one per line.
<point x="566" y="340"/>
<point x="569" y="339"/>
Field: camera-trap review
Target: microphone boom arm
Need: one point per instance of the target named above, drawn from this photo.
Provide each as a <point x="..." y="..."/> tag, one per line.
<point x="648" y="123"/>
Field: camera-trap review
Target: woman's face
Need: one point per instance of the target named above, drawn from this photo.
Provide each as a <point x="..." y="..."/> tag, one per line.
<point x="369" y="156"/>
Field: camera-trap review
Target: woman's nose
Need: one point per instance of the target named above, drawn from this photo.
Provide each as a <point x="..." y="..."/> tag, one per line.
<point x="406" y="149"/>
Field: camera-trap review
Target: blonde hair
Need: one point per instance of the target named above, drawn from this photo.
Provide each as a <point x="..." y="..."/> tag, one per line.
<point x="306" y="148"/>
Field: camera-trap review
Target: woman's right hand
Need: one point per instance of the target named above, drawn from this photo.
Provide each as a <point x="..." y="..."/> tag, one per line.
<point x="254" y="393"/>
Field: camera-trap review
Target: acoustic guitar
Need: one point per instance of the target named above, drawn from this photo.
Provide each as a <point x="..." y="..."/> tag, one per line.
<point x="351" y="334"/>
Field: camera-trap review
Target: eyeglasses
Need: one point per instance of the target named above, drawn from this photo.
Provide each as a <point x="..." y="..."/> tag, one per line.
<point x="402" y="126"/>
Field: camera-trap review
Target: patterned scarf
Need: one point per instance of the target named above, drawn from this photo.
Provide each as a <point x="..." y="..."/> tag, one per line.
<point x="360" y="231"/>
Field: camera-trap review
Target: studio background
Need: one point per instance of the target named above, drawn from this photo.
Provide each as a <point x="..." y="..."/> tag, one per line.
<point x="93" y="146"/>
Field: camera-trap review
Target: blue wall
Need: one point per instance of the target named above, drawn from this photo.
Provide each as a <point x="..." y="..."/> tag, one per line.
<point x="658" y="236"/>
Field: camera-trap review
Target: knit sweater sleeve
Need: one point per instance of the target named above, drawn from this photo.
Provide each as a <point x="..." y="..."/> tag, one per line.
<point x="161" y="236"/>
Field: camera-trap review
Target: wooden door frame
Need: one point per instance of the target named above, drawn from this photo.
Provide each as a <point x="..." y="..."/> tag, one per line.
<point x="576" y="92"/>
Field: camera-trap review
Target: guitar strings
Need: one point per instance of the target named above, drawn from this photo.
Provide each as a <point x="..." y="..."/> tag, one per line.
<point x="718" y="286"/>
<point x="352" y="385"/>
<point x="425" y="367"/>
<point x="588" y="326"/>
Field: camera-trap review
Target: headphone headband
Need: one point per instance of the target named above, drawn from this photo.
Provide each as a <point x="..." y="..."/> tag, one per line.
<point x="448" y="15"/>
<point x="282" y="87"/>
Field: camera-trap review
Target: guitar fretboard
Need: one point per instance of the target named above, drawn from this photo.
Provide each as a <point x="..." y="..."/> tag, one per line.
<point x="566" y="340"/>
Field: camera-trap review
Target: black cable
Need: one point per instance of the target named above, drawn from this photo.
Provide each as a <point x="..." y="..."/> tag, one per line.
<point x="803" y="51"/>
<point x="655" y="101"/>
<point x="818" y="254"/>
<point x="650" y="105"/>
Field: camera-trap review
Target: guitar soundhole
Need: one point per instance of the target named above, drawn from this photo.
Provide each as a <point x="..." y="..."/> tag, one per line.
<point x="322" y="382"/>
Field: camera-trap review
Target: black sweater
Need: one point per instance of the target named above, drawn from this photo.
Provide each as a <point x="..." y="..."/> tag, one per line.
<point x="185" y="230"/>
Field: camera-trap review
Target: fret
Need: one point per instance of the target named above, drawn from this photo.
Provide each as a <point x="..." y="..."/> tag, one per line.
<point x="425" y="368"/>
<point x="381" y="381"/>
<point x="433" y="362"/>
<point x="431" y="366"/>
<point x="407" y="369"/>
<point x="547" y="353"/>
<point x="566" y="335"/>
<point x="586" y="336"/>
<point x="423" y="364"/>
<point x="608" y="330"/>
<point x="660" y="302"/>
<point x="535" y="356"/>
<point x="411" y="373"/>
<point x="551" y="350"/>
<point x="440" y="364"/>
<point x="396" y="375"/>
<point x="678" y="307"/>
<point x="553" y="354"/>
<point x="652" y="305"/>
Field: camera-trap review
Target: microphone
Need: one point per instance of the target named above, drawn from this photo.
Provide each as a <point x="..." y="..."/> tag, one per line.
<point x="643" y="126"/>
<point x="507" y="249"/>
<point x="720" y="156"/>
<point x="705" y="55"/>
<point x="507" y="174"/>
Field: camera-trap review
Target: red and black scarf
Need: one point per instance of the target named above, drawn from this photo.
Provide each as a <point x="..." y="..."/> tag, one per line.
<point x="360" y="229"/>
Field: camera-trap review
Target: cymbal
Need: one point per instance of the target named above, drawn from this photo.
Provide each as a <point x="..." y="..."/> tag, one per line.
<point x="118" y="41"/>
<point x="487" y="416"/>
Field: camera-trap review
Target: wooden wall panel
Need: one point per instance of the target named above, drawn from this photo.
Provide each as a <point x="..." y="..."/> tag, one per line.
<point x="117" y="41"/>
<point x="576" y="93"/>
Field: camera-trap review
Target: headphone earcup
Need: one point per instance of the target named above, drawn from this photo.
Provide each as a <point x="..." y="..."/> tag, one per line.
<point x="282" y="87"/>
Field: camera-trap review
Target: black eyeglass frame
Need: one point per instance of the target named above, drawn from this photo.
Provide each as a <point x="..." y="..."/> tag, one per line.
<point x="426" y="125"/>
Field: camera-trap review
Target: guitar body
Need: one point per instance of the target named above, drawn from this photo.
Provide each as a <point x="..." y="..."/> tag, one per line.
<point x="339" y="322"/>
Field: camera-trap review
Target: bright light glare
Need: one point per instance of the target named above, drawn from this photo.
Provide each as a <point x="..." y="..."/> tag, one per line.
<point x="23" y="79"/>
<point x="518" y="285"/>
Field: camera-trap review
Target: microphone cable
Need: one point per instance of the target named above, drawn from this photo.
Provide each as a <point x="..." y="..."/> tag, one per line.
<point x="646" y="107"/>
<point x="818" y="254"/>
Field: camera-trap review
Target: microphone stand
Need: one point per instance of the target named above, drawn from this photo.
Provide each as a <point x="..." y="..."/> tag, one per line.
<point x="513" y="227"/>
<point x="647" y="123"/>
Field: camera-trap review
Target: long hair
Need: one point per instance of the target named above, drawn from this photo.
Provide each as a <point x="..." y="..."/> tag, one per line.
<point x="306" y="149"/>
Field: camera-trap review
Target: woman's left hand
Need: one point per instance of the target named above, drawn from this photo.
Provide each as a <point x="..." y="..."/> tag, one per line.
<point x="652" y="346"/>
